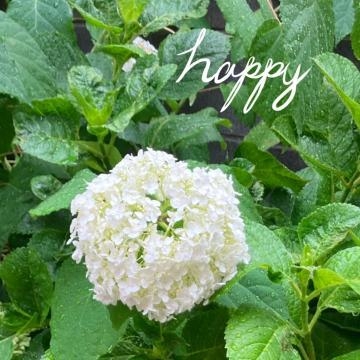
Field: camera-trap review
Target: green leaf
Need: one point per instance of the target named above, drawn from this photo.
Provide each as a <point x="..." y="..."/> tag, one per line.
<point x="131" y="10"/>
<point x="80" y="326"/>
<point x="327" y="227"/>
<point x="334" y="149"/>
<point x="316" y="192"/>
<point x="300" y="21"/>
<point x="243" y="23"/>
<point x="92" y="96"/>
<point x="169" y="130"/>
<point x="215" y="46"/>
<point x="48" y="243"/>
<point x="19" y="77"/>
<point x="143" y="85"/>
<point x="262" y="136"/>
<point x="330" y="342"/>
<point x="344" y="18"/>
<point x="255" y="334"/>
<point x="343" y="75"/>
<point x="28" y="282"/>
<point x="268" y="169"/>
<point x="266" y="249"/>
<point x="158" y="15"/>
<point x="50" y="25"/>
<point x="6" y="348"/>
<point x="49" y="138"/>
<point x="326" y="278"/>
<point x="256" y="290"/>
<point x="204" y="335"/>
<point x="354" y="355"/>
<point x="355" y="34"/>
<point x="62" y="198"/>
<point x="344" y="298"/>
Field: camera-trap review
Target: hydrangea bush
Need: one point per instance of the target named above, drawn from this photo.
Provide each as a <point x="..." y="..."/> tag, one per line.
<point x="120" y="238"/>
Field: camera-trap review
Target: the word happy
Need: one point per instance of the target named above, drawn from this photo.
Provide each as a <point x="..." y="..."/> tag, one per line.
<point x="252" y="70"/>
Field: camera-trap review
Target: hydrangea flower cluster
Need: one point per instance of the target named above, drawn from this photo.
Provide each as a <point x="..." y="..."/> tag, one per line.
<point x="158" y="236"/>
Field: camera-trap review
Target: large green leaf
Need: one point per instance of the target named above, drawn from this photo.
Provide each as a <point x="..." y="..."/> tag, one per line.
<point x="262" y="136"/>
<point x="50" y="25"/>
<point x="254" y="289"/>
<point x="169" y="130"/>
<point x="159" y="14"/>
<point x="24" y="69"/>
<point x="62" y="198"/>
<point x="344" y="18"/>
<point x="243" y="23"/>
<point x="28" y="282"/>
<point x="266" y="249"/>
<point x="346" y="296"/>
<point x="49" y="138"/>
<point x="255" y="334"/>
<point x="343" y="75"/>
<point x="80" y="326"/>
<point x="268" y="169"/>
<point x="215" y="46"/>
<point x="301" y="20"/>
<point x="327" y="227"/>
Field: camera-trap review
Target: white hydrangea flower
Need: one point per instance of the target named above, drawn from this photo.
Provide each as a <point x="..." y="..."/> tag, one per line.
<point x="143" y="45"/>
<point x="158" y="236"/>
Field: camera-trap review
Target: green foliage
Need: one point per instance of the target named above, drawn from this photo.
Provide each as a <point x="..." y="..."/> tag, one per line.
<point x="66" y="117"/>
<point x="80" y="326"/>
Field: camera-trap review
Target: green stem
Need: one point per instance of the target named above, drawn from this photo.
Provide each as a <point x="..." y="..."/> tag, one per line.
<point x="353" y="180"/>
<point x="104" y="153"/>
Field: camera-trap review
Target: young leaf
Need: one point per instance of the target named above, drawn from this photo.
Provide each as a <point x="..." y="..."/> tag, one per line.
<point x="131" y="10"/>
<point x="50" y="138"/>
<point x="143" y="85"/>
<point x="255" y="334"/>
<point x="28" y="282"/>
<point x="80" y="326"/>
<point x="63" y="197"/>
<point x="158" y="15"/>
<point x="268" y="169"/>
<point x="167" y="131"/>
<point x="92" y="97"/>
<point x="345" y="298"/>
<point x="215" y="46"/>
<point x="327" y="227"/>
<point x="343" y="75"/>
